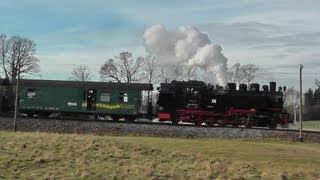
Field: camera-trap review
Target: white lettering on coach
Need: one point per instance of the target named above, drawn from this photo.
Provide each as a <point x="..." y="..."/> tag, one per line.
<point x="72" y="104"/>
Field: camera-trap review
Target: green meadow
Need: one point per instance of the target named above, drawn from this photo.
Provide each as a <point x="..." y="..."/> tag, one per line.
<point x="73" y="156"/>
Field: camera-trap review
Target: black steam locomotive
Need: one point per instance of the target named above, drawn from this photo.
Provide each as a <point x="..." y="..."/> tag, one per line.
<point x="197" y="102"/>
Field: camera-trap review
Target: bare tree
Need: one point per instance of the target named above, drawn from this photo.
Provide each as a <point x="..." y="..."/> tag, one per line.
<point x="18" y="56"/>
<point x="249" y="72"/>
<point x="317" y="83"/>
<point x="292" y="101"/>
<point x="191" y="73"/>
<point x="151" y="70"/>
<point x="162" y="76"/>
<point x="81" y="73"/>
<point x="235" y="74"/>
<point x="122" y="68"/>
<point x="178" y="72"/>
<point x="167" y="73"/>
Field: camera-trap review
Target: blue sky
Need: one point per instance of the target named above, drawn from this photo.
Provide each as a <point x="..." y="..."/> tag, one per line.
<point x="277" y="35"/>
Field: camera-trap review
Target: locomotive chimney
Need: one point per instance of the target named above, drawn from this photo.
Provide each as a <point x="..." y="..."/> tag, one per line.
<point x="243" y="87"/>
<point x="232" y="87"/>
<point x="265" y="88"/>
<point x="273" y="86"/>
<point x="254" y="87"/>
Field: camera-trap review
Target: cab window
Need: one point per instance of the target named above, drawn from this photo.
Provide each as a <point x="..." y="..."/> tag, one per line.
<point x="123" y="97"/>
<point x="31" y="93"/>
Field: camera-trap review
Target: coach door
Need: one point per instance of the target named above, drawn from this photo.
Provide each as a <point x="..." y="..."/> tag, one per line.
<point x="91" y="99"/>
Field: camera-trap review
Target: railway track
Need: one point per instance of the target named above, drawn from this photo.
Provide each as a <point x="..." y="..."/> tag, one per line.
<point x="148" y="128"/>
<point x="146" y="121"/>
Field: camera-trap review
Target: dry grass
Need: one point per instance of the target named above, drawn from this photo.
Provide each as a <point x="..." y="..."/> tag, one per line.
<point x="42" y="155"/>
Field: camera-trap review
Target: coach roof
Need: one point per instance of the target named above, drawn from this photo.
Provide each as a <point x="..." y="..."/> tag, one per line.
<point x="84" y="84"/>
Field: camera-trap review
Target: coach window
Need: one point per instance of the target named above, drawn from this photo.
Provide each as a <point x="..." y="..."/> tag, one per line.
<point x="31" y="93"/>
<point x="105" y="97"/>
<point x="123" y="97"/>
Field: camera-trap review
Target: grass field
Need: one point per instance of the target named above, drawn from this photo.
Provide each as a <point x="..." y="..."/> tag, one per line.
<point x="70" y="156"/>
<point x="311" y="125"/>
<point x="308" y="125"/>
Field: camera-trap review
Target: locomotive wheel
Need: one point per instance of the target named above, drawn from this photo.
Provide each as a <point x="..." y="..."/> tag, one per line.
<point x="263" y="122"/>
<point x="174" y="119"/>
<point x="44" y="114"/>
<point x="115" y="118"/>
<point x="222" y="125"/>
<point x="197" y="123"/>
<point x="30" y="114"/>
<point x="175" y="122"/>
<point x="211" y="124"/>
<point x="130" y="119"/>
<point x="235" y="125"/>
<point x="272" y="125"/>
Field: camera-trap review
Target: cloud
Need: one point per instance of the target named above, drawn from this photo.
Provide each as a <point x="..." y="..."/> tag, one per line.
<point x="277" y="48"/>
<point x="188" y="47"/>
<point x="59" y="64"/>
<point x="256" y="35"/>
<point x="272" y="34"/>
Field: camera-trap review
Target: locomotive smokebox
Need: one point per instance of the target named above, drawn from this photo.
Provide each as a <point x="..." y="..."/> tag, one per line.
<point x="243" y="87"/>
<point x="273" y="86"/>
<point x="254" y="87"/>
<point x="232" y="87"/>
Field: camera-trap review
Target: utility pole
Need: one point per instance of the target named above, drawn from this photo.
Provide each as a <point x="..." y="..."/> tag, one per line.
<point x="16" y="101"/>
<point x="300" y="115"/>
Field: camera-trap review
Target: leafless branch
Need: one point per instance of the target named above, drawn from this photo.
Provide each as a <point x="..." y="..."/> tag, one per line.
<point x="18" y="56"/>
<point x="150" y="67"/>
<point x="249" y="72"/>
<point x="81" y="73"/>
<point x="235" y="74"/>
<point x="317" y="83"/>
<point x="122" y="68"/>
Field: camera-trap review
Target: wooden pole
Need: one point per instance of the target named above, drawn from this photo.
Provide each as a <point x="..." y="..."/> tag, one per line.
<point x="16" y="101"/>
<point x="300" y="115"/>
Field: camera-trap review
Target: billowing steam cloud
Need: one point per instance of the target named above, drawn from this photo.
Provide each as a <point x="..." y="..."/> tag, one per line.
<point x="189" y="46"/>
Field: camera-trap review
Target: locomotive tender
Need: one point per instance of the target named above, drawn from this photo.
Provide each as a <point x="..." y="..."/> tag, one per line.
<point x="191" y="101"/>
<point x="197" y="102"/>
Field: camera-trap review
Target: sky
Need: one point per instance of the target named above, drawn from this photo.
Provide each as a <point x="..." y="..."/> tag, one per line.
<point x="276" y="35"/>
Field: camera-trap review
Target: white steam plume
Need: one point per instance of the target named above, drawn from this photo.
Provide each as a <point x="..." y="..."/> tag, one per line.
<point x="189" y="46"/>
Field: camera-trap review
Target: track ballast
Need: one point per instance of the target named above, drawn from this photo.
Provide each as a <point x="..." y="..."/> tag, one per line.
<point x="150" y="129"/>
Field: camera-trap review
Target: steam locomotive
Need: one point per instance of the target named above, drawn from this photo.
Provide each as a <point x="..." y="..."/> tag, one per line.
<point x="198" y="103"/>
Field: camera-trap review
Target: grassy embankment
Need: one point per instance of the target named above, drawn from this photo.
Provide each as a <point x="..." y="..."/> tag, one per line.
<point x="42" y="155"/>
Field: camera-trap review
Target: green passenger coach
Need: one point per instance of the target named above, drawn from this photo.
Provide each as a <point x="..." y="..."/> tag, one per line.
<point x="117" y="100"/>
